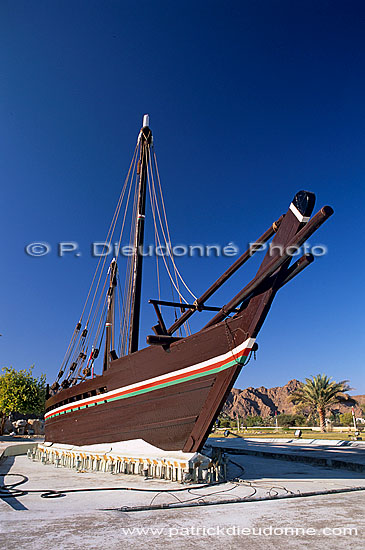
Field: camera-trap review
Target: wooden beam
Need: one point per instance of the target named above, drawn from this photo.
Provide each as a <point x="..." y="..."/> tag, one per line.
<point x="274" y="264"/>
<point x="227" y="274"/>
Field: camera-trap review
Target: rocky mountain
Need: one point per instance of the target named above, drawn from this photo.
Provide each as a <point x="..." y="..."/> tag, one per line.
<point x="266" y="401"/>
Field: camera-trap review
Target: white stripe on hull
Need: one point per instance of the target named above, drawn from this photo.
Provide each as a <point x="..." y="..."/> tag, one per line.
<point x="199" y="366"/>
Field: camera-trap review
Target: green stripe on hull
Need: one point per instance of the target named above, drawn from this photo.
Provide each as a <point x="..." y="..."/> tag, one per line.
<point x="239" y="361"/>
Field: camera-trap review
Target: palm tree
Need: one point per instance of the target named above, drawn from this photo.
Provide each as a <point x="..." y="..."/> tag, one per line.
<point x="319" y="393"/>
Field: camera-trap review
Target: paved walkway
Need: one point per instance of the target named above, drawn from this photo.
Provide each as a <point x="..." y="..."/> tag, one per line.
<point x="337" y="454"/>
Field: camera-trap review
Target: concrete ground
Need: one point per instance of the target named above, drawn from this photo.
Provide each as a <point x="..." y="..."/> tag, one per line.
<point x="83" y="519"/>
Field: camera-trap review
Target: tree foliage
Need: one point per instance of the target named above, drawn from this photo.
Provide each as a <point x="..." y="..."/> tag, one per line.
<point x="285" y="420"/>
<point x="346" y="419"/>
<point x="319" y="393"/>
<point x="21" y="392"/>
<point x="250" y="421"/>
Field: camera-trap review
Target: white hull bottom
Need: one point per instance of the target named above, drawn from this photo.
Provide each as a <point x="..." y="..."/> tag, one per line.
<point x="129" y="457"/>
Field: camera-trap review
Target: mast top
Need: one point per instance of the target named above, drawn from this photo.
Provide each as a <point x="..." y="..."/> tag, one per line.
<point x="146" y="121"/>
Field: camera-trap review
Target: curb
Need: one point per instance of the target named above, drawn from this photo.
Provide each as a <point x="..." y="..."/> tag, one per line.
<point x="17" y="450"/>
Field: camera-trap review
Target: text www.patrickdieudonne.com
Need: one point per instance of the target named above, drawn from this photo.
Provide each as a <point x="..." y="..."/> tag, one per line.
<point x="238" y="531"/>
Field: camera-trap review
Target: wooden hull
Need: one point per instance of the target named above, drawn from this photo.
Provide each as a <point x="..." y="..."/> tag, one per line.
<point x="172" y="413"/>
<point x="171" y="398"/>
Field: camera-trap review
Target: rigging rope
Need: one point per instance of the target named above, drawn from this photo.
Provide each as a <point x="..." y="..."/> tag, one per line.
<point x="167" y="229"/>
<point x="168" y="245"/>
<point x="128" y="284"/>
<point x="166" y="237"/>
<point x="96" y="303"/>
<point x="159" y="241"/>
<point x="77" y="334"/>
<point x="116" y="219"/>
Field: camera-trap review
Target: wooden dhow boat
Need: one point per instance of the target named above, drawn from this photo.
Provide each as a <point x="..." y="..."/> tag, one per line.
<point x="170" y="393"/>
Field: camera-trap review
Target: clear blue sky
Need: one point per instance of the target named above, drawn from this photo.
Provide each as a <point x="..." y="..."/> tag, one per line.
<point x="250" y="101"/>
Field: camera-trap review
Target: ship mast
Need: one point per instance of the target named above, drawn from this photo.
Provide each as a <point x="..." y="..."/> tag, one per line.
<point x="109" y="325"/>
<point x="145" y="138"/>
